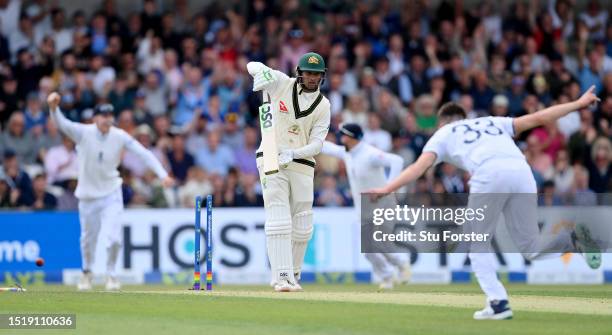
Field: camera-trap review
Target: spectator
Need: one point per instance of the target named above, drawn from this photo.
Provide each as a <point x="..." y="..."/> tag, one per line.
<point x="244" y="155"/>
<point x="180" y="161"/>
<point x="7" y="196"/>
<point x="34" y="115"/>
<point x="481" y="92"/>
<point x="233" y="136"/>
<point x="126" y="122"/>
<point x="122" y="96"/>
<point x="246" y="194"/>
<point x="103" y="76"/>
<point x="582" y="194"/>
<point x="550" y="139"/>
<point x="172" y="73"/>
<point x="537" y="158"/>
<point x="62" y="36"/>
<point x="328" y="194"/>
<point x="61" y="163"/>
<point x="600" y="166"/>
<point x="15" y="139"/>
<point x="564" y="174"/>
<point x="43" y="200"/>
<point x="335" y="95"/>
<point x="548" y="196"/>
<point x="500" y="106"/>
<point x="9" y="101"/>
<point x="595" y="19"/>
<point x="192" y="96"/>
<point x="27" y="72"/>
<point x="141" y="112"/>
<point x="197" y="184"/>
<point x="9" y="15"/>
<point x="215" y="157"/>
<point x="148" y="191"/>
<point x="150" y="54"/>
<point x="18" y="181"/>
<point x="425" y="111"/>
<point x="156" y="94"/>
<point x="390" y="111"/>
<point x="356" y="110"/>
<point x="67" y="201"/>
<point x="22" y="38"/>
<point x="376" y="136"/>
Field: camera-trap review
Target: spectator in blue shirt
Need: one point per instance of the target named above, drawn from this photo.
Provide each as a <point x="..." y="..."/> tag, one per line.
<point x="215" y="157"/>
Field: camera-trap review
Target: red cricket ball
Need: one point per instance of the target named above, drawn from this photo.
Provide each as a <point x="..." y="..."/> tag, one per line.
<point x="40" y="262"/>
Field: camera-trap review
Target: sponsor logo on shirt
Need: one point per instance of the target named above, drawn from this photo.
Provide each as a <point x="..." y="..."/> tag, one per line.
<point x="282" y="107"/>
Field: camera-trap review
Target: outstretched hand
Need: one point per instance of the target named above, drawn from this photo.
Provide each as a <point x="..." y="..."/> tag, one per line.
<point x="53" y="100"/>
<point x="376" y="193"/>
<point x="168" y="182"/>
<point x="588" y="98"/>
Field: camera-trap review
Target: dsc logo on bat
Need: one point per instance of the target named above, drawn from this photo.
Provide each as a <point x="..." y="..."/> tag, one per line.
<point x="265" y="116"/>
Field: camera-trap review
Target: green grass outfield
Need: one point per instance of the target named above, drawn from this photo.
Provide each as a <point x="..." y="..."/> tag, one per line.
<point x="321" y="309"/>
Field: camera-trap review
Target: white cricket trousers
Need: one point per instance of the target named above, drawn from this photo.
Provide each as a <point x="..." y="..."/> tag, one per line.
<point x="507" y="187"/>
<point x="288" y="197"/>
<point x="93" y="214"/>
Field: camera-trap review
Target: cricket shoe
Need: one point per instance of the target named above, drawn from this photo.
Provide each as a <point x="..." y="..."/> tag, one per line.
<point x="584" y="242"/>
<point x="85" y="283"/>
<point x="286" y="286"/>
<point x="112" y="284"/>
<point x="494" y="310"/>
<point x="405" y="273"/>
<point x="386" y="284"/>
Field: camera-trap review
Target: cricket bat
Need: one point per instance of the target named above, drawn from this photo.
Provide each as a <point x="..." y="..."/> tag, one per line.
<point x="268" y="136"/>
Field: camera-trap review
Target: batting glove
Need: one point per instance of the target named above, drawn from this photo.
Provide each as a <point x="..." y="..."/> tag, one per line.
<point x="263" y="78"/>
<point x="284" y="157"/>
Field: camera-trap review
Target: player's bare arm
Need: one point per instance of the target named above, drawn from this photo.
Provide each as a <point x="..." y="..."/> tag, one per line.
<point x="553" y="113"/>
<point x="410" y="174"/>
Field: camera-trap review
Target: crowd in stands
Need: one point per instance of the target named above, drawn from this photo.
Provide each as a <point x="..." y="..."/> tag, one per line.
<point x="177" y="80"/>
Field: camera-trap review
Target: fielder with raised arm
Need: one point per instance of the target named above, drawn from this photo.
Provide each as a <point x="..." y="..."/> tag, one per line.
<point x="485" y="148"/>
<point x="301" y="117"/>
<point x="365" y="167"/>
<point x="99" y="149"/>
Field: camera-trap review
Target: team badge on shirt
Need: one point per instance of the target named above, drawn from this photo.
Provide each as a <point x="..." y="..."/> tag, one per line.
<point x="295" y="129"/>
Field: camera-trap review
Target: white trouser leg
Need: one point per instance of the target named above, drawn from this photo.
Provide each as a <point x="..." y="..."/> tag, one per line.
<point x="302" y="196"/>
<point x="90" y="229"/>
<point x="380" y="266"/>
<point x="485" y="268"/>
<point x="395" y="259"/>
<point x="111" y="218"/>
<point x="278" y="225"/>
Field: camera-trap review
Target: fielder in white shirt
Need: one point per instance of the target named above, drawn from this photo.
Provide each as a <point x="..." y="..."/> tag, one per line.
<point x="485" y="148"/>
<point x="99" y="149"/>
<point x="365" y="167"/>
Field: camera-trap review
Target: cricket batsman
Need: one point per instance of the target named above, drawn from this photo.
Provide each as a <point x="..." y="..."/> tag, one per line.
<point x="485" y="148"/>
<point x="99" y="149"/>
<point x="301" y="122"/>
<point x="365" y="167"/>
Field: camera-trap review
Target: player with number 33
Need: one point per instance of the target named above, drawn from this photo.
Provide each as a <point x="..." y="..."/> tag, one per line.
<point x="485" y="148"/>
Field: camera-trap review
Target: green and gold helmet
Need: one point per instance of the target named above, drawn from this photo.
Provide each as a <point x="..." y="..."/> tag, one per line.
<point x="312" y="62"/>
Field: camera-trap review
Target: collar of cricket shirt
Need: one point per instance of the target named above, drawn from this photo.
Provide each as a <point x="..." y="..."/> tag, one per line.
<point x="355" y="150"/>
<point x="296" y="105"/>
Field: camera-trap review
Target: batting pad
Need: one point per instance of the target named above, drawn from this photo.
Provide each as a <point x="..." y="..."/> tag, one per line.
<point x="302" y="233"/>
